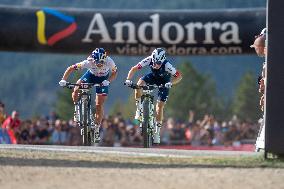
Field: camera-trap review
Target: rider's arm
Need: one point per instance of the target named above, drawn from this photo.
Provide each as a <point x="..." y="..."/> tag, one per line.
<point x="78" y="66"/>
<point x="68" y="71"/>
<point x="177" y="76"/>
<point x="113" y="69"/>
<point x="132" y="72"/>
<point x="113" y="75"/>
<point x="145" y="62"/>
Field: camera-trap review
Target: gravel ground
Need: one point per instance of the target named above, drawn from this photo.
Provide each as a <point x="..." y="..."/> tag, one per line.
<point x="36" y="169"/>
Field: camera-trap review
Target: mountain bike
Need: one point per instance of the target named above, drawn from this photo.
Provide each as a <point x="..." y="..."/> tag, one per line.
<point x="85" y="112"/>
<point x="148" y="120"/>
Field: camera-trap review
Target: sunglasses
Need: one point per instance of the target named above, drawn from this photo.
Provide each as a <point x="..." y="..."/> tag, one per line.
<point x="99" y="61"/>
<point x="157" y="63"/>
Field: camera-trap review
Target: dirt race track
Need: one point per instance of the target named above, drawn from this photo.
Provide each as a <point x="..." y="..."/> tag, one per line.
<point x="36" y="167"/>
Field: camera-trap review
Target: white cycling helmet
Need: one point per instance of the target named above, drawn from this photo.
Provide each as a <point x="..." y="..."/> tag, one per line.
<point x="99" y="55"/>
<point x="158" y="56"/>
<point x="263" y="31"/>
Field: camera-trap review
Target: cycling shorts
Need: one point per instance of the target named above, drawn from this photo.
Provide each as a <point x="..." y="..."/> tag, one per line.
<point x="88" y="77"/>
<point x="163" y="93"/>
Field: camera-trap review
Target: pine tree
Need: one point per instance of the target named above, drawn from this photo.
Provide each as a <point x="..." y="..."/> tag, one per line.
<point x="64" y="106"/>
<point x="127" y="109"/>
<point x="245" y="102"/>
<point x="195" y="92"/>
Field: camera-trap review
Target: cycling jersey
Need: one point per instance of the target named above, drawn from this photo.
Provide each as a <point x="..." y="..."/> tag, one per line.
<point x="89" y="63"/>
<point x="158" y="76"/>
<point x="166" y="69"/>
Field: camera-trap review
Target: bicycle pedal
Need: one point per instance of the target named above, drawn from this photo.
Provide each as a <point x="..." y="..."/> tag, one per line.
<point x="97" y="140"/>
<point x="97" y="137"/>
<point x="82" y="131"/>
<point x="156" y="138"/>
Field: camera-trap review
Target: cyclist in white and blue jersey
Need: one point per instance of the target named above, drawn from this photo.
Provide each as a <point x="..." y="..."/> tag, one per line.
<point x="162" y="73"/>
<point x="101" y="70"/>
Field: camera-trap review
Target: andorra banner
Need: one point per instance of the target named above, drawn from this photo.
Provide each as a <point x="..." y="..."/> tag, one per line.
<point x="130" y="32"/>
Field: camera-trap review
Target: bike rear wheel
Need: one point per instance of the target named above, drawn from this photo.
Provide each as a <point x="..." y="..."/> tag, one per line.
<point x="146" y="131"/>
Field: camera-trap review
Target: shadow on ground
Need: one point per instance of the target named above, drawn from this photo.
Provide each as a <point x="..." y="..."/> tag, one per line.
<point x="12" y="161"/>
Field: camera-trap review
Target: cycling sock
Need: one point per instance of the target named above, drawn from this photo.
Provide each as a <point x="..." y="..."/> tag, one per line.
<point x="138" y="104"/>
<point x="138" y="101"/>
<point x="76" y="109"/>
<point x="158" y="127"/>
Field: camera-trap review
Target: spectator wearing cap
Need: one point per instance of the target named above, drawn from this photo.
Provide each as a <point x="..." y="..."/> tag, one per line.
<point x="260" y="49"/>
<point x="259" y="44"/>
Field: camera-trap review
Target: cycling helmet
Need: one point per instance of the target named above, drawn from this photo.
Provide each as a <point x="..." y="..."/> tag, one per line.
<point x="99" y="55"/>
<point x="263" y="31"/>
<point x="158" y="56"/>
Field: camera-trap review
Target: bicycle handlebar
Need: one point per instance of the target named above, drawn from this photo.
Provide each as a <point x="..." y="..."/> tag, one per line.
<point x="82" y="85"/>
<point x="145" y="87"/>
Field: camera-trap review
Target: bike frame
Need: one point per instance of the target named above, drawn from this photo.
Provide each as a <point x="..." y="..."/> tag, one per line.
<point x="86" y="117"/>
<point x="148" y="119"/>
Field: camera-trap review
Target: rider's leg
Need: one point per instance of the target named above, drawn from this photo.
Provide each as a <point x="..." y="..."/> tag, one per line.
<point x="75" y="101"/>
<point x="101" y="96"/>
<point x="100" y="99"/>
<point x="162" y="98"/>
<point x="75" y="92"/>
<point x="160" y="112"/>
<point x="138" y="94"/>
<point x="159" y="119"/>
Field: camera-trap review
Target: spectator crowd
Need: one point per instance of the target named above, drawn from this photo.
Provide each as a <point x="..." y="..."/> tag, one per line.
<point x="117" y="131"/>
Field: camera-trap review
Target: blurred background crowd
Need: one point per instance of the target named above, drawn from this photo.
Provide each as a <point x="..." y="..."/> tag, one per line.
<point x="117" y="131"/>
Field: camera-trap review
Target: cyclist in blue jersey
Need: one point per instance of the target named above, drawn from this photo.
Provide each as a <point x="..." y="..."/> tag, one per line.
<point x="101" y="70"/>
<point x="162" y="73"/>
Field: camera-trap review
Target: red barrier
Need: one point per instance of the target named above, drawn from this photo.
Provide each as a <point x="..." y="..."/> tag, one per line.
<point x="243" y="147"/>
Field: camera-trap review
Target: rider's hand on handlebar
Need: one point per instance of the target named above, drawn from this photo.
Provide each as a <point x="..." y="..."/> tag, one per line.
<point x="128" y="82"/>
<point x="105" y="83"/>
<point x="169" y="85"/>
<point x="62" y="83"/>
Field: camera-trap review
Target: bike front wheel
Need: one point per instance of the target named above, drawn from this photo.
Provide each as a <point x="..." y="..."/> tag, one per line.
<point x="86" y="136"/>
<point x="146" y="131"/>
